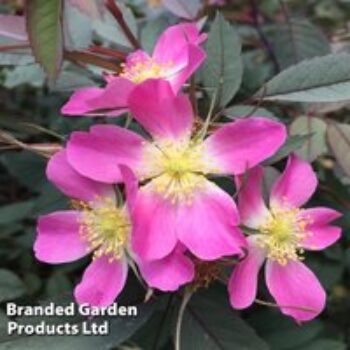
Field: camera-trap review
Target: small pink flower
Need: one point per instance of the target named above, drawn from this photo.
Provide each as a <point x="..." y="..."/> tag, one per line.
<point x="100" y="225"/>
<point x="177" y="202"/>
<point x="175" y="58"/>
<point x="284" y="232"/>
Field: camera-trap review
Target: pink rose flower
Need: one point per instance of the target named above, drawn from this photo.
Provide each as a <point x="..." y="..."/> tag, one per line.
<point x="284" y="231"/>
<point x="175" y="58"/>
<point x="177" y="202"/>
<point x="101" y="225"/>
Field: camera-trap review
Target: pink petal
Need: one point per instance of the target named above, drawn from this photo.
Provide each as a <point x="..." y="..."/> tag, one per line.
<point x="155" y="106"/>
<point x="131" y="186"/>
<point x="296" y="185"/>
<point x="196" y="57"/>
<point x="78" y="103"/>
<point x="241" y="145"/>
<point x="321" y="235"/>
<point x="154" y="225"/>
<point x="244" y="279"/>
<point x="169" y="273"/>
<point x="98" y="153"/>
<point x="58" y="240"/>
<point x="172" y="43"/>
<point x="102" y="282"/>
<point x="251" y="206"/>
<point x="71" y="183"/>
<point x="111" y="100"/>
<point x="208" y="225"/>
<point x="296" y="290"/>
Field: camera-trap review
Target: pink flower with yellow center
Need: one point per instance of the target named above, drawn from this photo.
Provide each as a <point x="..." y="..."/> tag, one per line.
<point x="283" y="232"/>
<point x="175" y="58"/>
<point x="100" y="224"/>
<point x="177" y="201"/>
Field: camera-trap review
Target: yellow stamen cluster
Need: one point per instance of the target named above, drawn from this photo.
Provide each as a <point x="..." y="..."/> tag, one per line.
<point x="176" y="168"/>
<point x="145" y="69"/>
<point x="105" y="227"/>
<point x="283" y="234"/>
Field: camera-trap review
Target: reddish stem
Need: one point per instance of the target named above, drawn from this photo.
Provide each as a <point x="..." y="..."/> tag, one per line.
<point x="118" y="15"/>
<point x="108" y="52"/>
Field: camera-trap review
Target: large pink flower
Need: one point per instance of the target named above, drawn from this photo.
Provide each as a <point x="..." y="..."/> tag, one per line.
<point x="100" y="224"/>
<point x="284" y="231"/>
<point x="176" y="56"/>
<point x="177" y="202"/>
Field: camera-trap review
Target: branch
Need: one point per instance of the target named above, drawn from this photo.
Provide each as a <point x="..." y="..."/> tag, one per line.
<point x="118" y="15"/>
<point x="90" y="58"/>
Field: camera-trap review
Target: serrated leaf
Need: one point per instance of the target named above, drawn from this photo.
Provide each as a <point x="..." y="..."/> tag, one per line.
<point x="316" y="144"/>
<point x="11" y="287"/>
<point x="44" y="25"/>
<point x="211" y="324"/>
<point x="321" y="79"/>
<point x="296" y="40"/>
<point x="338" y="136"/>
<point x="223" y="68"/>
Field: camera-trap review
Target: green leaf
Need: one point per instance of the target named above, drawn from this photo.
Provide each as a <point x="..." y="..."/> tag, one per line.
<point x="325" y="344"/>
<point x="321" y="79"/>
<point x="339" y="141"/>
<point x="27" y="168"/>
<point x="223" y="68"/>
<point x="15" y="59"/>
<point x="296" y="40"/>
<point x="32" y="75"/>
<point x="316" y="144"/>
<point x="282" y="333"/>
<point x="58" y="284"/>
<point x="240" y="111"/>
<point x="11" y="287"/>
<point x="210" y="323"/>
<point x="44" y="25"/>
<point x="15" y="212"/>
<point x="292" y="144"/>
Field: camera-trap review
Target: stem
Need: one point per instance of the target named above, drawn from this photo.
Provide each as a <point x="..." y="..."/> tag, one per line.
<point x="266" y="303"/>
<point x="185" y="300"/>
<point x="193" y="96"/>
<point x="108" y="52"/>
<point x="14" y="47"/>
<point x="89" y="58"/>
<point x="118" y="15"/>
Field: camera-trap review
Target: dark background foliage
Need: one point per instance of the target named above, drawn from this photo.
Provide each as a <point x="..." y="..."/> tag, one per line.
<point x="274" y="35"/>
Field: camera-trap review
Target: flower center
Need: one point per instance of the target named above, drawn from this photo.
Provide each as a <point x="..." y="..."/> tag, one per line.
<point x="140" y="67"/>
<point x="105" y="227"/>
<point x="176" y="168"/>
<point x="283" y="233"/>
